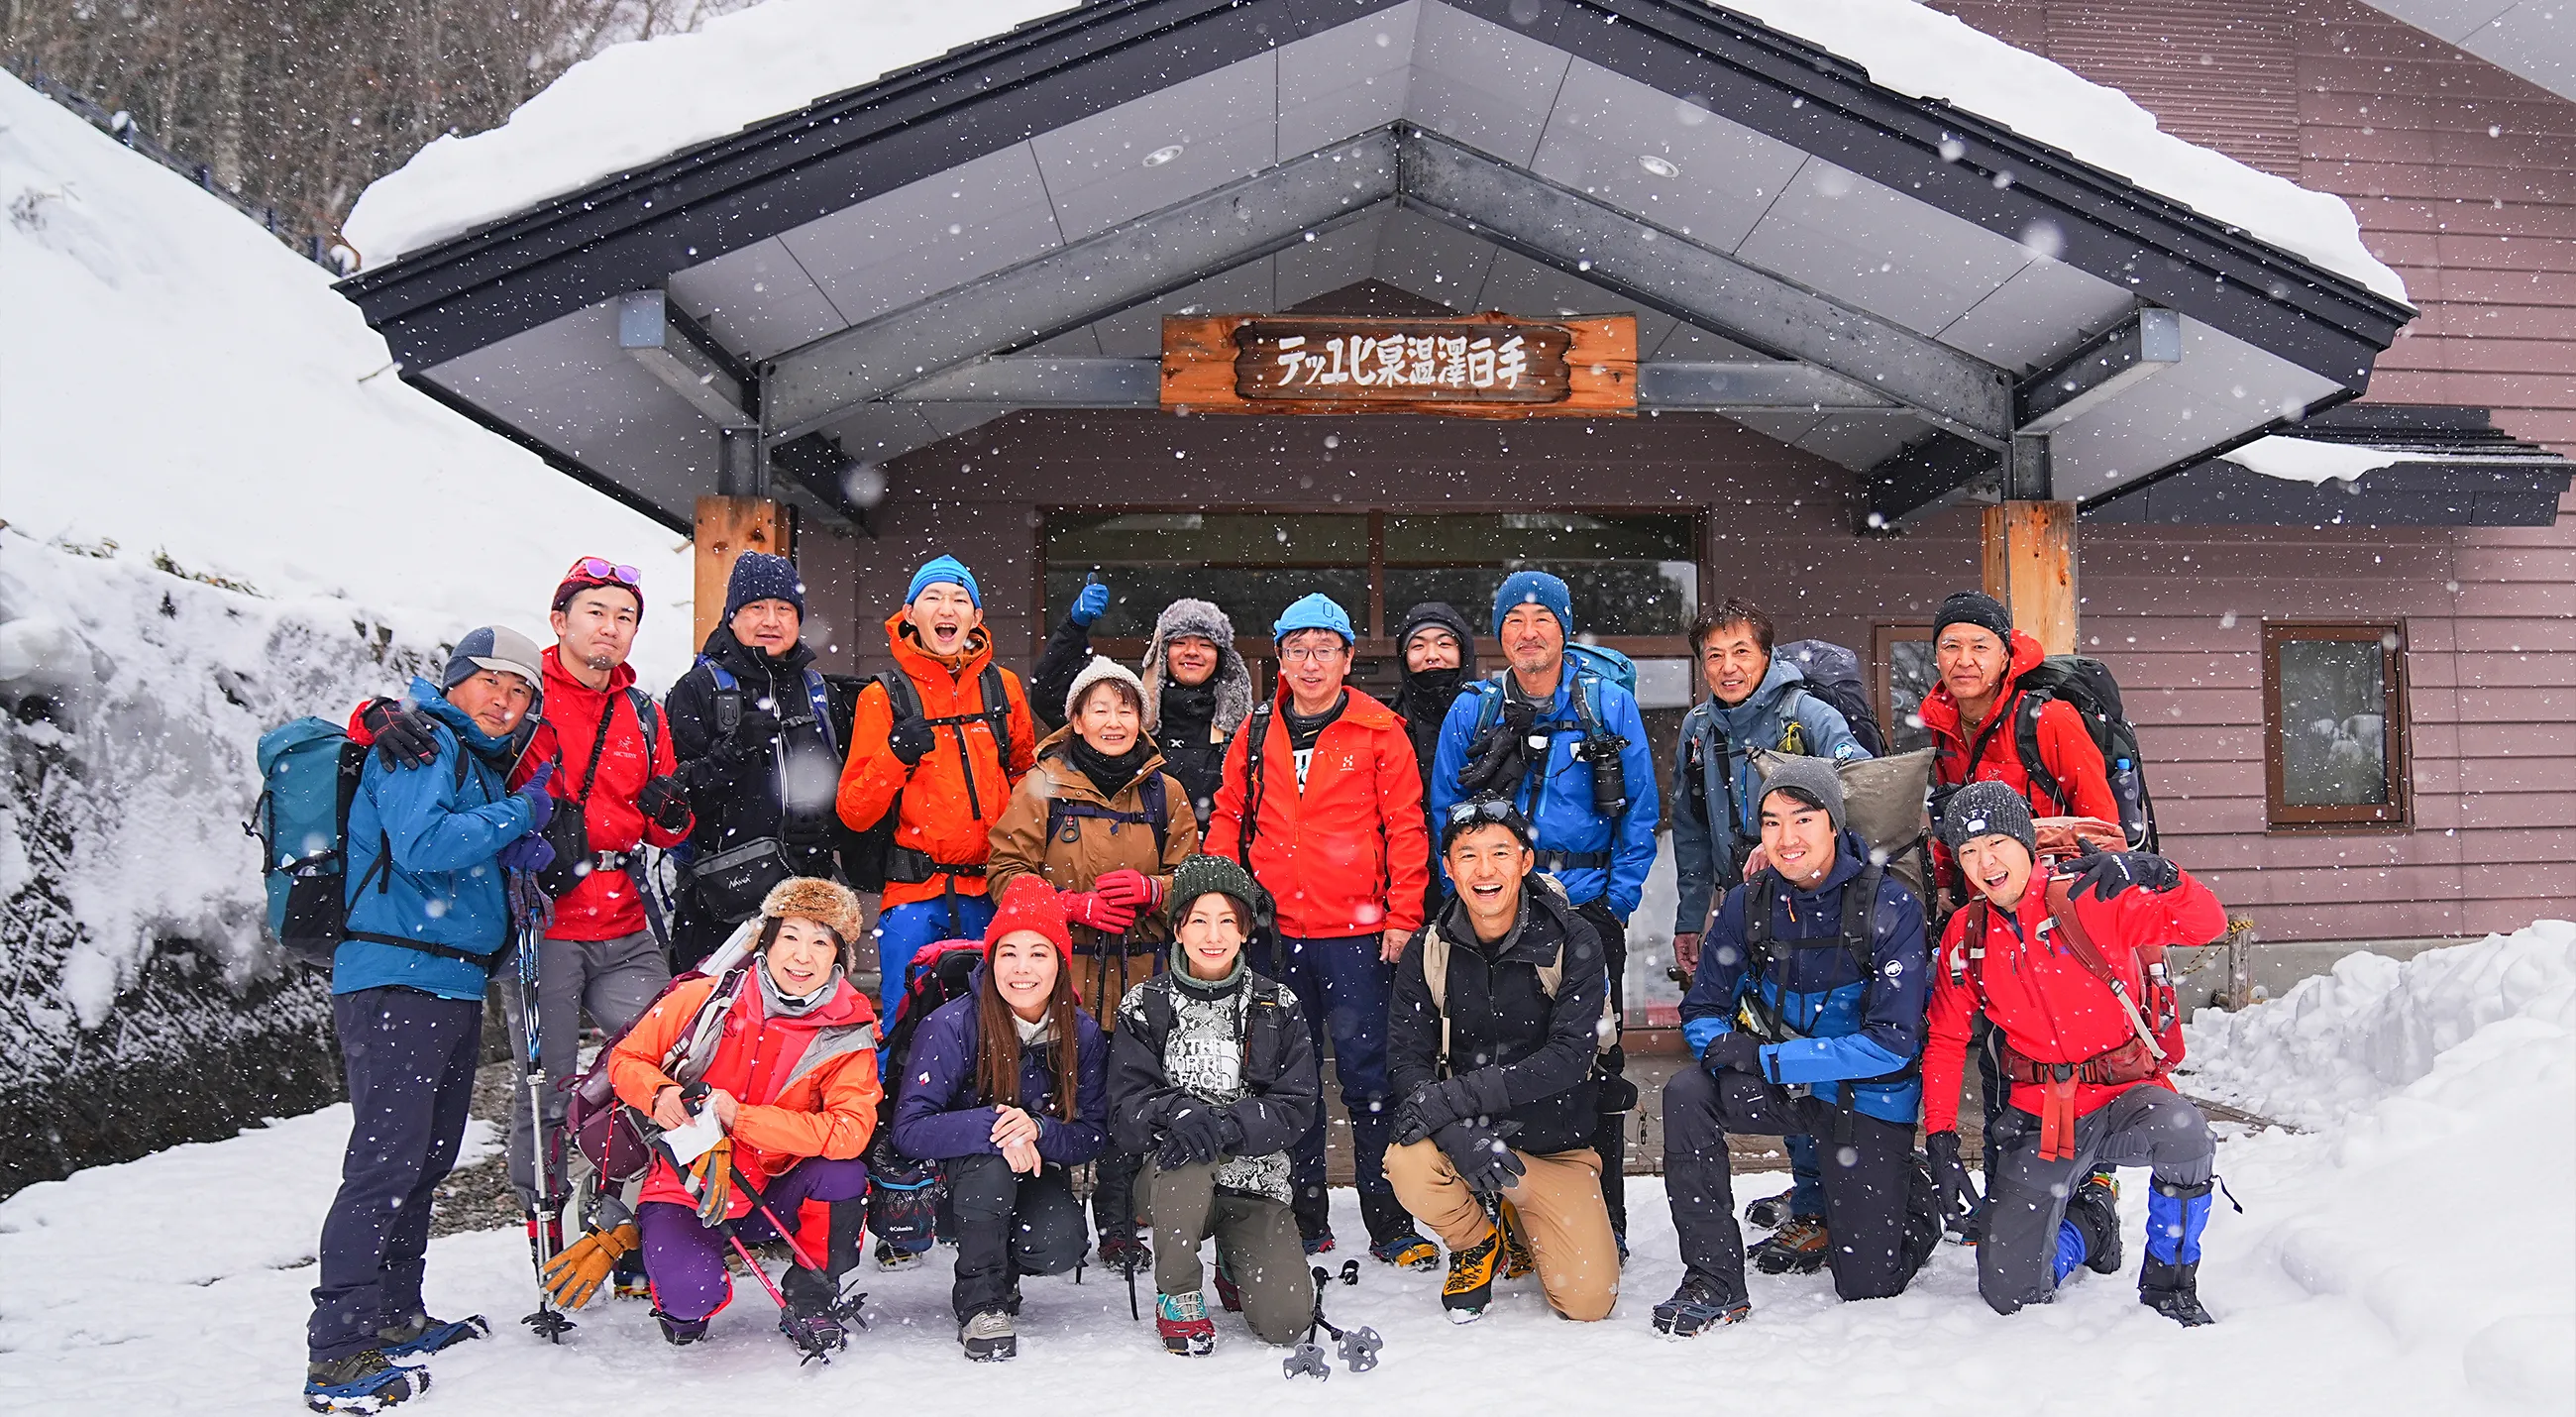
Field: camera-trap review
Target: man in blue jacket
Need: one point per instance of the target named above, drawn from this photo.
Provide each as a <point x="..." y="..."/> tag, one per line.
<point x="1544" y="733"/>
<point x="428" y="923"/>
<point x="1807" y="1017"/>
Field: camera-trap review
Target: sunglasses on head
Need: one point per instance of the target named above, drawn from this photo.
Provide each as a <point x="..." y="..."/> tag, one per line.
<point x="1483" y="809"/>
<point x="596" y="569"/>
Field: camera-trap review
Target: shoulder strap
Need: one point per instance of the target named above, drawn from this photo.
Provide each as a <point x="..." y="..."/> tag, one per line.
<point x="1551" y="975"/>
<point x="2026" y="746"/>
<point x="728" y="697"/>
<point x="1158" y="810"/>
<point x="2061" y="910"/>
<point x="1255" y="749"/>
<point x="598" y="746"/>
<point x="1489" y="702"/>
<point x="819" y="694"/>
<point x="1435" y="973"/>
<point x="997" y="711"/>
<point x="901" y="701"/>
<point x="649" y="719"/>
<point x="1587" y="703"/>
<point x="1860" y="919"/>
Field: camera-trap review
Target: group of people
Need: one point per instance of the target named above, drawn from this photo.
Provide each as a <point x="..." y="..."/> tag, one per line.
<point x="1121" y="915"/>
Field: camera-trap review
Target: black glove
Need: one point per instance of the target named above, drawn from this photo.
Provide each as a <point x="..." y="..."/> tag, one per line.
<point x="1733" y="1049"/>
<point x="1435" y="1105"/>
<point x="1196" y="1134"/>
<point x="403" y="738"/>
<point x="1958" y="1194"/>
<point x="665" y="801"/>
<point x="1503" y="757"/>
<point x="1480" y="1158"/>
<point x="2110" y="872"/>
<point x="909" y="741"/>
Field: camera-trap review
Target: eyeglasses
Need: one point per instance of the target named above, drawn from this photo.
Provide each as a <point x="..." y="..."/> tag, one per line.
<point x="598" y="570"/>
<point x="1304" y="655"/>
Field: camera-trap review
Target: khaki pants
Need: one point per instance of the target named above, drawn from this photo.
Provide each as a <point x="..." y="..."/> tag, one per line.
<point x="1256" y="1245"/>
<point x="1560" y="1206"/>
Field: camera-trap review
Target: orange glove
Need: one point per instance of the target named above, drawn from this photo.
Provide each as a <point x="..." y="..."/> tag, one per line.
<point x="574" y="1276"/>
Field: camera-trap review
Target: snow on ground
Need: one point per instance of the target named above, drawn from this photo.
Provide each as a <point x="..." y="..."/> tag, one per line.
<point x="178" y="381"/>
<point x="180" y="1281"/>
<point x="642" y="101"/>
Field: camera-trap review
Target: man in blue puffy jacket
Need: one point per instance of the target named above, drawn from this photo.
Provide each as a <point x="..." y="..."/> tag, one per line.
<point x="1568" y="747"/>
<point x="428" y="924"/>
<point x="1807" y="1017"/>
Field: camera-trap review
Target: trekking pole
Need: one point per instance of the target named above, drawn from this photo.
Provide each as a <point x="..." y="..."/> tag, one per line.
<point x="550" y="1323"/>
<point x="1134" y="1314"/>
<point x="750" y="1261"/>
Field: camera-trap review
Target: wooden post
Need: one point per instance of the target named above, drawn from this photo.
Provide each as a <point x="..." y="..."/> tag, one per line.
<point x="2030" y="567"/>
<point x="727" y="527"/>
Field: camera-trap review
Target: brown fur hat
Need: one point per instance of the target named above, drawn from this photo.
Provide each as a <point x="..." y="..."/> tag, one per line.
<point x="827" y="903"/>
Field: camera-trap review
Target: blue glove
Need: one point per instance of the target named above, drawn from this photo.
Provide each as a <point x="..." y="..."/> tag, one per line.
<point x="1733" y="1049"/>
<point x="530" y="853"/>
<point x="1090" y="605"/>
<point x="541" y="803"/>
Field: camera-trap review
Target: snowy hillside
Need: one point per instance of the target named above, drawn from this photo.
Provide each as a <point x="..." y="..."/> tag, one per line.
<point x="2329" y="1298"/>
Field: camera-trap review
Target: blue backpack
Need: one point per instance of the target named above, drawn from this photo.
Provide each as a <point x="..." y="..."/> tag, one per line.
<point x="1593" y="665"/>
<point x="309" y="772"/>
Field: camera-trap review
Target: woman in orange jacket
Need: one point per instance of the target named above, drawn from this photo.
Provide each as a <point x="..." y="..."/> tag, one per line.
<point x="780" y="1052"/>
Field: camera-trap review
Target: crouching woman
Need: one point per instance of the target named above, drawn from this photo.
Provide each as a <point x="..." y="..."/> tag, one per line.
<point x="781" y="1053"/>
<point x="1213" y="1076"/>
<point x="1004" y="1088"/>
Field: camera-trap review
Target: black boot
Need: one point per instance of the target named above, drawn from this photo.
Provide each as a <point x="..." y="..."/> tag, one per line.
<point x="2094" y="1210"/>
<point x="812" y="1318"/>
<point x="2173" y="1290"/>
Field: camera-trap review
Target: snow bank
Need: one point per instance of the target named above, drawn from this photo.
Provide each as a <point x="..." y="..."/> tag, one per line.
<point x="642" y="101"/>
<point x="239" y="415"/>
<point x="2341" y="1041"/>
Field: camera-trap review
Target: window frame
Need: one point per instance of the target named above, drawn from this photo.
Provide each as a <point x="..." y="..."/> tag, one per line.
<point x="1884" y="636"/>
<point x="2282" y="817"/>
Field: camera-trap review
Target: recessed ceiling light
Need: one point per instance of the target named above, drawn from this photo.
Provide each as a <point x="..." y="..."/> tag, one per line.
<point x="1159" y="156"/>
<point x="1660" y="166"/>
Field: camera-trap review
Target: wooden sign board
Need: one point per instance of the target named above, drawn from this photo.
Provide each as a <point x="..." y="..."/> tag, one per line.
<point x="1472" y="366"/>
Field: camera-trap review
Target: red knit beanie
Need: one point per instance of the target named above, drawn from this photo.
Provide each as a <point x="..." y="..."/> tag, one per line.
<point x="1029" y="903"/>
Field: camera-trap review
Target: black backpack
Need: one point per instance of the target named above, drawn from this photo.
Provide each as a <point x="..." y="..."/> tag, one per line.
<point x="867" y="854"/>
<point x="1833" y="675"/>
<point x="2087" y="686"/>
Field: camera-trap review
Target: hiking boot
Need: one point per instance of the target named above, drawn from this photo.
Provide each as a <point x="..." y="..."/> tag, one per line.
<point x="420" y="1335"/>
<point x="1769" y="1212"/>
<point x="1317" y="1241"/>
<point x="1406" y="1251"/>
<point x="680" y="1333"/>
<point x="1798" y="1247"/>
<point x="1697" y="1306"/>
<point x="627" y="1280"/>
<point x="1228" y="1294"/>
<point x="812" y="1320"/>
<point x="2094" y="1210"/>
<point x="1470" y="1284"/>
<point x="1517" y="1258"/>
<point x="361" y="1382"/>
<point x="1123" y="1255"/>
<point x="990" y="1337"/>
<point x="2173" y="1290"/>
<point x="890" y="1258"/>
<point x="1182" y="1320"/>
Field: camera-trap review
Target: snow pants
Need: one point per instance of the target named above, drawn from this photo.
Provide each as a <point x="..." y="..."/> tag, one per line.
<point x="1865" y="1181"/>
<point x="1560" y="1208"/>
<point x="612" y="980"/>
<point x="1345" y="985"/>
<point x="409" y="1060"/>
<point x="906" y="930"/>
<point x="2147" y="1126"/>
<point x="1009" y="1224"/>
<point x="1256" y="1248"/>
<point x="685" y="1258"/>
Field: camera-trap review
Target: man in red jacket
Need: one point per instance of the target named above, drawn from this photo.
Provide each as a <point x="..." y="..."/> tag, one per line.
<point x="1328" y="818"/>
<point x="2088" y="1031"/>
<point x="1970" y="715"/>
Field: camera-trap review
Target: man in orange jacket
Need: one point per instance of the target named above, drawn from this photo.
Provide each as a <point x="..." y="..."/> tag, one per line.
<point x="1322" y="803"/>
<point x="946" y="768"/>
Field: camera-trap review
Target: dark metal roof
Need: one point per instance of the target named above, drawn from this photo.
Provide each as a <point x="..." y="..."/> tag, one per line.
<point x="629" y="232"/>
<point x="2463" y="472"/>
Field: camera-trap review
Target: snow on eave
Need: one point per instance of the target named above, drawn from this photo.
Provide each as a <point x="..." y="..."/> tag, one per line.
<point x="1912" y="49"/>
<point x="2308" y="460"/>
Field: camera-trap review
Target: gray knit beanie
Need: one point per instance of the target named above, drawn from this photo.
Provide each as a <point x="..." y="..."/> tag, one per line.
<point x="1988" y="809"/>
<point x="1810" y="780"/>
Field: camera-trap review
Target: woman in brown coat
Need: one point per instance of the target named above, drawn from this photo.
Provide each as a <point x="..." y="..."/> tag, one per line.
<point x="1101" y="821"/>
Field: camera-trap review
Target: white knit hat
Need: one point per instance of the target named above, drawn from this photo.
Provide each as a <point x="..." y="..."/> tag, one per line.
<point x="1100" y="670"/>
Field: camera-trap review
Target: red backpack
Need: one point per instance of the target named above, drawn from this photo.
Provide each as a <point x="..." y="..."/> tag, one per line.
<point x="2155" y="1020"/>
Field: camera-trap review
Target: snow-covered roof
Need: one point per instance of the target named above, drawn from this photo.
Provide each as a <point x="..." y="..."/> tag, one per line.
<point x="643" y="100"/>
<point x="2295" y="459"/>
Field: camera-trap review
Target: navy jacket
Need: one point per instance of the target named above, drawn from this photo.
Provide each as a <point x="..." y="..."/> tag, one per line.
<point x="1853" y="1028"/>
<point x="938" y="1116"/>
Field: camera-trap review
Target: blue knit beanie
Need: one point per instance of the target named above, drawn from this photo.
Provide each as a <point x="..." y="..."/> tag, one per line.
<point x="757" y="575"/>
<point x="944" y="570"/>
<point x="1535" y="588"/>
<point x="1314" y="612"/>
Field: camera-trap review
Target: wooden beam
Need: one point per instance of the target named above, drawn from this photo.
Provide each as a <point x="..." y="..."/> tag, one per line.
<point x="727" y="527"/>
<point x="2030" y="567"/>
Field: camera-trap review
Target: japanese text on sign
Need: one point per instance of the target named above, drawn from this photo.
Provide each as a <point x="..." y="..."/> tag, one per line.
<point x="1401" y="361"/>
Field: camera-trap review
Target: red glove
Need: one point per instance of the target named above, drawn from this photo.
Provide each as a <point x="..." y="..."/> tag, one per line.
<point x="1097" y="911"/>
<point x="1131" y="888"/>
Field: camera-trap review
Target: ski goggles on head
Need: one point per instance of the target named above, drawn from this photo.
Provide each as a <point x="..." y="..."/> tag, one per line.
<point x="596" y="569"/>
<point x="1463" y="817"/>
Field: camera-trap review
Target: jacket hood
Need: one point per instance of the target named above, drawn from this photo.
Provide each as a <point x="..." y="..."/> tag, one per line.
<point x="1765" y="700"/>
<point x="1940" y="711"/>
<point x="741" y="659"/>
<point x="559" y="680"/>
<point x="1435" y="613"/>
<point x="1233" y="678"/>
<point x="919" y="663"/>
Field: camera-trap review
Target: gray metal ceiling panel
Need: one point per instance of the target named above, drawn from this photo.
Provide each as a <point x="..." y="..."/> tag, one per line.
<point x="1671" y="162"/>
<point x="1690" y="342"/>
<point x="1524" y="287"/>
<point x="1158" y="150"/>
<point x="2222" y="388"/>
<point x="755" y="301"/>
<point x="1434" y="261"/>
<point x="1137" y="332"/>
<point x="1346" y="80"/>
<point x="922" y="238"/>
<point x="1329" y="260"/>
<point x="1871" y="246"/>
<point x="2041" y="315"/>
<point x="1482" y="84"/>
<point x="1786" y="425"/>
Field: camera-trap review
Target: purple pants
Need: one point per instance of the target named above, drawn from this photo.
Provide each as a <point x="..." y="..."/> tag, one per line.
<point x="686" y="1260"/>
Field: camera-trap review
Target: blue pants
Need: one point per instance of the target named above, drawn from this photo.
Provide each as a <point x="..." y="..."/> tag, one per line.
<point x="906" y="930"/>
<point x="409" y="1058"/>
<point x="1345" y="986"/>
<point x="1806" y="1182"/>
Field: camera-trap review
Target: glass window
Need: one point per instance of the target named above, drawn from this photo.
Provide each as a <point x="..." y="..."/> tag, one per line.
<point x="1905" y="675"/>
<point x="1631" y="574"/>
<point x="1151" y="559"/>
<point x="2334" y="710"/>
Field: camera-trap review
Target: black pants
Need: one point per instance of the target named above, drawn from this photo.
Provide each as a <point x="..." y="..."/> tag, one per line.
<point x="410" y="1061"/>
<point x="1866" y="1180"/>
<point x="1009" y="1224"/>
<point x="1610" y="1135"/>
<point x="1113" y="1194"/>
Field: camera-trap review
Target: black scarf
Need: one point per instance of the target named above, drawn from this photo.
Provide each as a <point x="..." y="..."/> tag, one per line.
<point x="1188" y="709"/>
<point x="1109" y="775"/>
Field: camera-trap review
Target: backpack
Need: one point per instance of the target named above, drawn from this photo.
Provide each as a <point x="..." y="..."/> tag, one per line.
<point x="904" y="1192"/>
<point x="1883" y="801"/>
<point x="1551" y="975"/>
<point x="2088" y="687"/>
<point x="1063" y="816"/>
<point x="869" y="857"/>
<point x="1592" y="666"/>
<point x="1833" y="675"/>
<point x="309" y="772"/>
<point x="2155" y="1021"/>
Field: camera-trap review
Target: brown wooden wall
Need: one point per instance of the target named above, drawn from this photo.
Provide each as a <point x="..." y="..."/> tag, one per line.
<point x="2481" y="223"/>
<point x="2490" y="615"/>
